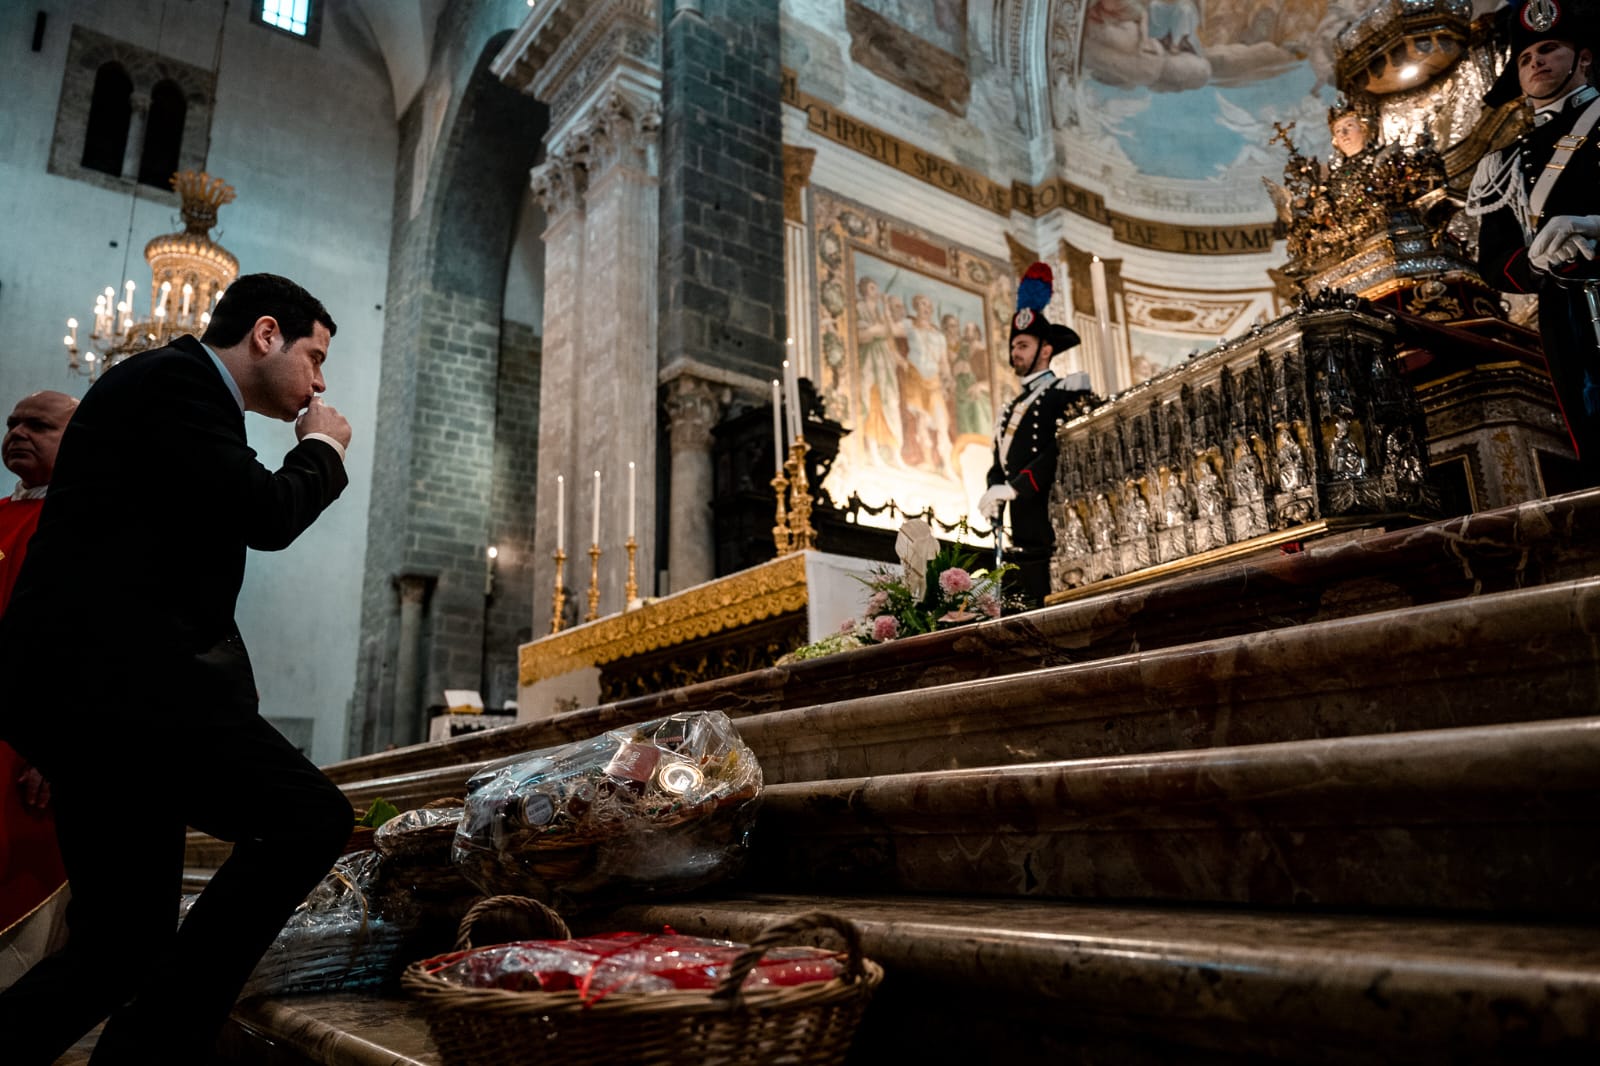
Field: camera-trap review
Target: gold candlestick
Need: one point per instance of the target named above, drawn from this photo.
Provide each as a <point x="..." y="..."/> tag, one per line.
<point x="781" y="535"/>
<point x="802" y="536"/>
<point x="559" y="601"/>
<point x="631" y="591"/>
<point x="594" y="583"/>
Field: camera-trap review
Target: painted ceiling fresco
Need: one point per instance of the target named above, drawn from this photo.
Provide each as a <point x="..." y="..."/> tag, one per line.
<point x="1190" y="89"/>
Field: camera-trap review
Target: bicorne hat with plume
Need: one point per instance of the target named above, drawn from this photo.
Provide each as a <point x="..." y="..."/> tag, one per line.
<point x="1033" y="296"/>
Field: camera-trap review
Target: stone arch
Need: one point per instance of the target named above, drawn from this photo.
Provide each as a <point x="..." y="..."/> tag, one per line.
<point x="458" y="405"/>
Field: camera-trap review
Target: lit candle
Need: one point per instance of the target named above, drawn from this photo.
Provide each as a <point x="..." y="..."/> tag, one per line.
<point x="777" y="427"/>
<point x="72" y="326"/>
<point x="630" y="500"/>
<point x="561" y="512"/>
<point x="188" y="295"/>
<point x="595" y="536"/>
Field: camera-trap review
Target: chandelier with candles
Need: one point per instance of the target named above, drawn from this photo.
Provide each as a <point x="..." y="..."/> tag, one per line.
<point x="188" y="272"/>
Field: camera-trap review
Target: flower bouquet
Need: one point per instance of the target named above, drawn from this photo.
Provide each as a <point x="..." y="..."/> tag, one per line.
<point x="936" y="587"/>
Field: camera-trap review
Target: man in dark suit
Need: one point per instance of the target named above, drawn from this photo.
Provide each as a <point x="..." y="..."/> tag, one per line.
<point x="1539" y="200"/>
<point x="1025" y="446"/>
<point x="134" y="693"/>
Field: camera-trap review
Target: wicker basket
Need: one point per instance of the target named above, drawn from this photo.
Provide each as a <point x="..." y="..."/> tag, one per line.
<point x="804" y="1025"/>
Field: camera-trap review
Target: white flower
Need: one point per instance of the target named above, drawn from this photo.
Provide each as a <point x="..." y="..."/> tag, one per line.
<point x="916" y="547"/>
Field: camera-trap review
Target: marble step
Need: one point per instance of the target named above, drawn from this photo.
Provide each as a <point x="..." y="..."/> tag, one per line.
<point x="1528" y="654"/>
<point x="971" y="980"/>
<point x="1488" y="819"/>
<point x="1534" y="543"/>
<point x="1533" y="653"/>
<point x="979" y="981"/>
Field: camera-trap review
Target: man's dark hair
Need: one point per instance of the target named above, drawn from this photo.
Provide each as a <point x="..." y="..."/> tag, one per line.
<point x="255" y="296"/>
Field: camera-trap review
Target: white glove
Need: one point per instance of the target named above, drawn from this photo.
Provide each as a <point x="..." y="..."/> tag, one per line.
<point x="998" y="496"/>
<point x="1562" y="239"/>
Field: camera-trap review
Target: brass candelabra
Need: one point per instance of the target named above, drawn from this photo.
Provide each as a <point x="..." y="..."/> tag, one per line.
<point x="630" y="592"/>
<point x="782" y="536"/>
<point x="558" y="601"/>
<point x="801" y="536"/>
<point x="594" y="583"/>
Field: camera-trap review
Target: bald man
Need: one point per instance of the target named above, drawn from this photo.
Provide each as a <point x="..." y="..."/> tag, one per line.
<point x="31" y="874"/>
<point x="33" y="433"/>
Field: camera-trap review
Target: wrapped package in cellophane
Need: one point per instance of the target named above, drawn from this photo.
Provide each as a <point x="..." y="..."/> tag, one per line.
<point x="340" y="937"/>
<point x="654" y="809"/>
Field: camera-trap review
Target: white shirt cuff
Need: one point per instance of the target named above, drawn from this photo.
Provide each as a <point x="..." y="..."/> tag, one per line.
<point x="324" y="438"/>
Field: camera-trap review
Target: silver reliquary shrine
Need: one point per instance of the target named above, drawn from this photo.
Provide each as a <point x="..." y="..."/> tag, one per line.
<point x="1300" y="427"/>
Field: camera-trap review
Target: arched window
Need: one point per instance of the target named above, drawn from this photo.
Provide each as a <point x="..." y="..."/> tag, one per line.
<point x="163" y="134"/>
<point x="106" y="138"/>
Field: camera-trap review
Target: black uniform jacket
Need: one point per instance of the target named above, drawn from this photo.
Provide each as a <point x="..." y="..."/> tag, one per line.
<point x="1029" y="465"/>
<point x="1502" y="252"/>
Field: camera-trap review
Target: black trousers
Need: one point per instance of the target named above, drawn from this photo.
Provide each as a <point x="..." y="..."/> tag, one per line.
<point x="125" y="782"/>
<point x="1573" y="354"/>
<point x="1031" y="579"/>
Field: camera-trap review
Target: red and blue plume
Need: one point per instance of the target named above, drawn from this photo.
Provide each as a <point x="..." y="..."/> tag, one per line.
<point x="1033" y="292"/>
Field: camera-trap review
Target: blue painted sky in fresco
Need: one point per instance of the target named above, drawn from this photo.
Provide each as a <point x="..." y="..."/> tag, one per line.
<point x="1178" y="135"/>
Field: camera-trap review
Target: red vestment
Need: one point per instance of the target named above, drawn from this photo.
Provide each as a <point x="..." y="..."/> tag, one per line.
<point x="30" y="862"/>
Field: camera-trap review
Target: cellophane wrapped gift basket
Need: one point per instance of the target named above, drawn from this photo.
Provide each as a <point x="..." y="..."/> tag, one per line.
<point x="340" y="937"/>
<point x="659" y="808"/>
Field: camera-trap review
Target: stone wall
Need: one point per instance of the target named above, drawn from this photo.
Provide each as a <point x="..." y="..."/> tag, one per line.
<point x="722" y="266"/>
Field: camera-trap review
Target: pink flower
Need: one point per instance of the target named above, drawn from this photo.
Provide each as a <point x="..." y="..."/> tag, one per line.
<point x="989" y="604"/>
<point x="955" y="580"/>
<point x="877" y="602"/>
<point x="847" y="626"/>
<point x="885" y="627"/>
<point x="957" y="616"/>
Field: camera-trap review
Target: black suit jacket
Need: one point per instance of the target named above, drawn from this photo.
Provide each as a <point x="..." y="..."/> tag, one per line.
<point x="1029" y="465"/>
<point x="139" y="556"/>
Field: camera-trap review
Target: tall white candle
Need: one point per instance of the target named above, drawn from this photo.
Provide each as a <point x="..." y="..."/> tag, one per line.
<point x="1102" y="315"/>
<point x="595" y="538"/>
<point x="796" y="416"/>
<point x="777" y="428"/>
<point x="561" y="512"/>
<point x="188" y="295"/>
<point x="631" y="499"/>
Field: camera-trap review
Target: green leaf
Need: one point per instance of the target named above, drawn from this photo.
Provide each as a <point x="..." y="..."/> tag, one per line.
<point x="380" y="811"/>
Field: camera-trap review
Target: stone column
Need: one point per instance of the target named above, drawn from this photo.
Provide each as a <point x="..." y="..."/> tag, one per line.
<point x="693" y="407"/>
<point x="138" y="119"/>
<point x="597" y="64"/>
<point x="405" y="717"/>
<point x="559" y="184"/>
<point x="618" y="313"/>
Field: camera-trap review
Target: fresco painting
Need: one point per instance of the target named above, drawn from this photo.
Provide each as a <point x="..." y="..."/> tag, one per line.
<point x="912" y="333"/>
<point x="942" y="23"/>
<point x="1226" y="69"/>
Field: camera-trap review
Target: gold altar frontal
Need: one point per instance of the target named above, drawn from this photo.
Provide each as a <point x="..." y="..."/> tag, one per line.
<point x="731" y="624"/>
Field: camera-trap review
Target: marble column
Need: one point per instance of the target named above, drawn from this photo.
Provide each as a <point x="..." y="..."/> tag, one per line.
<point x="693" y="407"/>
<point x="405" y="717"/>
<point x="559" y="184"/>
<point x="617" y="310"/>
<point x="138" y="119"/>
<point x="597" y="64"/>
